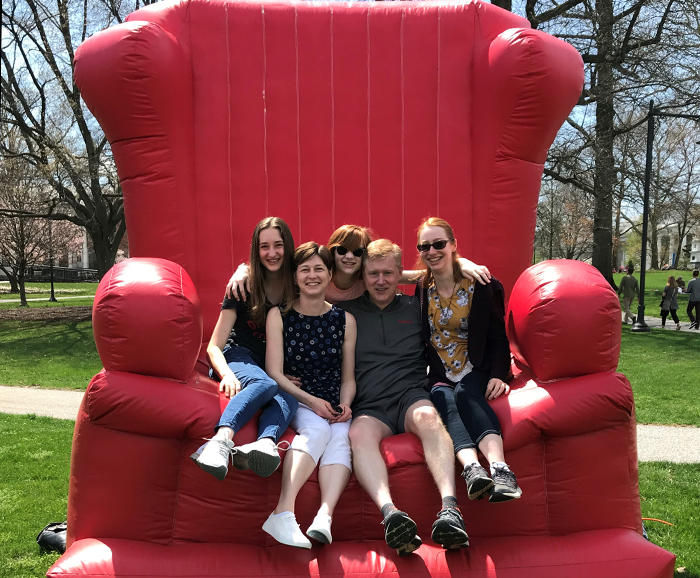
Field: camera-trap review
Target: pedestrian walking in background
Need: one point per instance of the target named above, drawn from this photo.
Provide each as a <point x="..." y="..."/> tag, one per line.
<point x="669" y="303"/>
<point x="629" y="289"/>
<point x="694" y="300"/>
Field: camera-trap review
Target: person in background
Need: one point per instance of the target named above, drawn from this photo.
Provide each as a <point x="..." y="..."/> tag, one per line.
<point x="629" y="289"/>
<point x="669" y="303"/>
<point x="694" y="300"/>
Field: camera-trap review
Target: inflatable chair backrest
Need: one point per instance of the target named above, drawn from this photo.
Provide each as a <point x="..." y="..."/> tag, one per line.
<point x="220" y="114"/>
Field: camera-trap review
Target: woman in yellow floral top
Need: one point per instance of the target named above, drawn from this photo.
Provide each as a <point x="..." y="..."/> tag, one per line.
<point x="469" y="358"/>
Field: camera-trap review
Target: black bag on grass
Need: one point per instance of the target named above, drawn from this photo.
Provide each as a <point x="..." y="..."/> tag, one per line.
<point x="53" y="537"/>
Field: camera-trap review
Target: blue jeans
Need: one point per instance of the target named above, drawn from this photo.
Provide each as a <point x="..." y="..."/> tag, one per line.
<point x="259" y="391"/>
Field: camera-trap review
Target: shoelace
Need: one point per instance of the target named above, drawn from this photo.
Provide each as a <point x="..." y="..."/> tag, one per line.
<point x="500" y="474"/>
<point x="280" y="446"/>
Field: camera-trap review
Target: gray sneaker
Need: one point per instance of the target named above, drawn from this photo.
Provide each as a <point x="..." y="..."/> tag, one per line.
<point x="260" y="456"/>
<point x="213" y="457"/>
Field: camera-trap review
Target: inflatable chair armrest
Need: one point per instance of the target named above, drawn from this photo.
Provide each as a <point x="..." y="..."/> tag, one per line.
<point x="563" y="320"/>
<point x="528" y="83"/>
<point x="153" y="406"/>
<point x="567" y="408"/>
<point x="147" y="319"/>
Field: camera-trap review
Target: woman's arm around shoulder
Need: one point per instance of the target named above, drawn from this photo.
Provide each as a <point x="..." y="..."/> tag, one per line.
<point x="348" y="386"/>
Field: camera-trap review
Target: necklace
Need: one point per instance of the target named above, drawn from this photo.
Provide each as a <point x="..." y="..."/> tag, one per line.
<point x="445" y="311"/>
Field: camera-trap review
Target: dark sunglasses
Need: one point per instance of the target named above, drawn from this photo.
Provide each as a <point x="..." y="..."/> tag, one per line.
<point x="437" y="245"/>
<point x="357" y="252"/>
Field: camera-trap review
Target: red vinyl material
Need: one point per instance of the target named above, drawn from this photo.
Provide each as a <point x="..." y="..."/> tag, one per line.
<point x="564" y="320"/>
<point x="147" y="319"/>
<point x="323" y="113"/>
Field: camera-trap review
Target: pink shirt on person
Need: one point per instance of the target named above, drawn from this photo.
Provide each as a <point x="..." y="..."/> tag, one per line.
<point x="335" y="295"/>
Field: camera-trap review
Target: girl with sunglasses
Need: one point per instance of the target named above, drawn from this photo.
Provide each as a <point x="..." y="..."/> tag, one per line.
<point x="236" y="352"/>
<point x="348" y="245"/>
<point x="314" y="341"/>
<point x="469" y="358"/>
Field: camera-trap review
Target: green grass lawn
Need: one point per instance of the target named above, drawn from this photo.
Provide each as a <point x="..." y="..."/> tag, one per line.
<point x="653" y="287"/>
<point x="41" y="290"/>
<point x="34" y="470"/>
<point x="34" y="488"/>
<point x="60" y="302"/>
<point x="663" y="368"/>
<point x="669" y="492"/>
<point x="51" y="354"/>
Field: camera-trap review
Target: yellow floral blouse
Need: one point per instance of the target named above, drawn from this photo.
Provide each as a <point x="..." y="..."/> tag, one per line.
<point x="449" y="320"/>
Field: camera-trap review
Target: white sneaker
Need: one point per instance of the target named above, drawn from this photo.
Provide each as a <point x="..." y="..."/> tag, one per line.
<point x="260" y="456"/>
<point x="284" y="528"/>
<point x="320" y="529"/>
<point x="213" y="457"/>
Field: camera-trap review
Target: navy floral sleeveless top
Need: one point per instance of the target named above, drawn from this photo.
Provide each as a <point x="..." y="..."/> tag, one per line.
<point x="313" y="346"/>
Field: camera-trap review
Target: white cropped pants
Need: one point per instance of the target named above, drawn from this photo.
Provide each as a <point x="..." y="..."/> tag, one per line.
<point x="326" y="443"/>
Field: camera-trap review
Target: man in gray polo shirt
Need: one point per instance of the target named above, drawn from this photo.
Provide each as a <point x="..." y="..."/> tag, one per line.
<point x="392" y="398"/>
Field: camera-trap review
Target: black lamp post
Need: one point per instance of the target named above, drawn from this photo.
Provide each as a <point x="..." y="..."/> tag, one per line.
<point x="640" y="326"/>
<point x="53" y="297"/>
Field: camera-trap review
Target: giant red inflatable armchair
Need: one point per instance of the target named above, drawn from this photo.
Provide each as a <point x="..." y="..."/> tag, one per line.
<point x="324" y="113"/>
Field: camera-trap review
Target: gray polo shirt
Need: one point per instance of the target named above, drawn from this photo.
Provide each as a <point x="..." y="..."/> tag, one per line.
<point x="390" y="352"/>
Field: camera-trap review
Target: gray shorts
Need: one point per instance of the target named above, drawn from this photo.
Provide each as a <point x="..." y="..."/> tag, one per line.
<point x="392" y="412"/>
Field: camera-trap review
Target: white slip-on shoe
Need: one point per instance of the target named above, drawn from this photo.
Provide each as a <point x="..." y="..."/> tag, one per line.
<point x="260" y="456"/>
<point x="284" y="528"/>
<point x="320" y="529"/>
<point x="213" y="457"/>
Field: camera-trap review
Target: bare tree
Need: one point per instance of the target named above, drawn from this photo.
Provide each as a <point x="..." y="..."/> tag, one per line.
<point x="23" y="240"/>
<point x="628" y="49"/>
<point x="60" y="139"/>
<point x="565" y="223"/>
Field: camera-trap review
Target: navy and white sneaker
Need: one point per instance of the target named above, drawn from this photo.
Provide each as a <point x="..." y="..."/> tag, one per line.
<point x="399" y="529"/>
<point x="479" y="483"/>
<point x="449" y="530"/>
<point x="505" y="485"/>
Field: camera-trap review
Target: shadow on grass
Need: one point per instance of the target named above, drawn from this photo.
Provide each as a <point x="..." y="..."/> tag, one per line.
<point x="52" y="337"/>
<point x="661" y="339"/>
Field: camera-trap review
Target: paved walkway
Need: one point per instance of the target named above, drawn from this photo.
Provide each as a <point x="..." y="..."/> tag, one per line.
<point x="655" y="443"/>
<point x="654" y="324"/>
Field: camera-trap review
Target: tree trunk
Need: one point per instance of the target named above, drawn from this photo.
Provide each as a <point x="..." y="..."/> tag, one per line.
<point x="604" y="177"/>
<point x="12" y="277"/>
<point x="21" y="271"/>
<point x="505" y="4"/>
<point x="105" y="247"/>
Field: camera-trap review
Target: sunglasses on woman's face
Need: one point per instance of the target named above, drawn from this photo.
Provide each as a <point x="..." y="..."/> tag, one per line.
<point x="437" y="245"/>
<point x="357" y="252"/>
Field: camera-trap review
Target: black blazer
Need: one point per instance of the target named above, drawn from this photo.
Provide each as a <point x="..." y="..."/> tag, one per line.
<point x="487" y="343"/>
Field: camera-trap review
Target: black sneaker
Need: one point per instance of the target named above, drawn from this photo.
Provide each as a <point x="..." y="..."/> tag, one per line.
<point x="409" y="548"/>
<point x="399" y="529"/>
<point x="505" y="486"/>
<point x="478" y="481"/>
<point x="449" y="531"/>
<point x="634" y="319"/>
